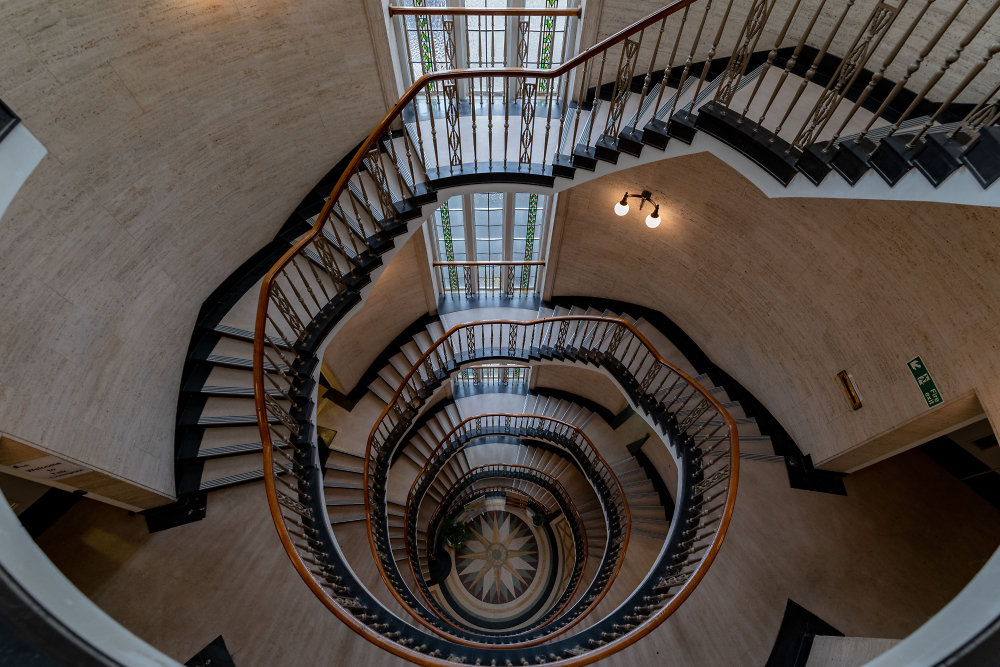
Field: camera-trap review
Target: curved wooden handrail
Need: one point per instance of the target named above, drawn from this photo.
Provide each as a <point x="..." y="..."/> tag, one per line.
<point x="579" y="519"/>
<point x="446" y="438"/>
<point x="397" y="110"/>
<point x="427" y="354"/>
<point x="260" y="338"/>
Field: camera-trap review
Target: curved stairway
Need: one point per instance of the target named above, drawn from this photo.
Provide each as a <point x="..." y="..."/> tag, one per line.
<point x="316" y="284"/>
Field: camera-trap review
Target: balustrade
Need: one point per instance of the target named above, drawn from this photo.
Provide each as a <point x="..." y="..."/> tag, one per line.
<point x="537" y="123"/>
<point x="489" y="278"/>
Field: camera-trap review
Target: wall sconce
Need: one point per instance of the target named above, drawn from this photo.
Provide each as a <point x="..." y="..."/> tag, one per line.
<point x="850" y="388"/>
<point x="653" y="219"/>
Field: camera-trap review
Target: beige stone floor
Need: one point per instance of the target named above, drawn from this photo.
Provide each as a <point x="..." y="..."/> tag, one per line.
<point x="875" y="563"/>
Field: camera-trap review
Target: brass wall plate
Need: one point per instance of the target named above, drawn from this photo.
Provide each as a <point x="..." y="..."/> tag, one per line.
<point x="851" y="389"/>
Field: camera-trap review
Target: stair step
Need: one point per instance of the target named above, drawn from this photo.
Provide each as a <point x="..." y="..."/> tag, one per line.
<point x="231" y="450"/>
<point x="342" y="485"/>
<point x="343" y="468"/>
<point x="234" y="392"/>
<point x="347" y="519"/>
<point x="244" y="335"/>
<point x="234" y="420"/>
<point x="232" y="480"/>
<point x="242" y="364"/>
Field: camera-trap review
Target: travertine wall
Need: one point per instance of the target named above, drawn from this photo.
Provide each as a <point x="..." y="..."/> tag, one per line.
<point x="785" y="293"/>
<point x="395" y="302"/>
<point x="181" y="135"/>
<point x="582" y="382"/>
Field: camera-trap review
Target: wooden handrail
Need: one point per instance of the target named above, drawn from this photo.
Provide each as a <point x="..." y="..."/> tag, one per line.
<point x="446" y="438"/>
<point x="426" y="355"/>
<point x="537" y="262"/>
<point x="395" y="10"/>
<point x="260" y="338"/>
<point x="579" y="520"/>
<point x="394" y="113"/>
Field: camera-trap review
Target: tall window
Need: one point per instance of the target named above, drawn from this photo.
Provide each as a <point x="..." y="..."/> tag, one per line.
<point x="528" y="213"/>
<point x="489" y="226"/>
<point x="450" y="233"/>
<point x="434" y="43"/>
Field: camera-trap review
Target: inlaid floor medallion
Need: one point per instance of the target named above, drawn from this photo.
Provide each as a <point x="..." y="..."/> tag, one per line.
<point x="500" y="559"/>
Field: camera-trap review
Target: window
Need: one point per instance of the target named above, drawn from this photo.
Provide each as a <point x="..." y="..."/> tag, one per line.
<point x="505" y="229"/>
<point x="489" y="226"/>
<point x="434" y="43"/>
<point x="451" y="231"/>
<point x="528" y="214"/>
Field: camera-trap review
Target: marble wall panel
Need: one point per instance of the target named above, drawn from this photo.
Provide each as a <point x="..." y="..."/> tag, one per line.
<point x="786" y="293"/>
<point x="395" y="302"/>
<point x="181" y="135"/>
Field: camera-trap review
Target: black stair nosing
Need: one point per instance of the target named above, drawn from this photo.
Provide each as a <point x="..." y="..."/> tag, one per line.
<point x="346" y="519"/>
<point x="239" y="363"/>
<point x="231" y="450"/>
<point x="233" y="480"/>
<point x="245" y="335"/>
<point x="351" y="486"/>
<point x="339" y="468"/>
<point x="232" y="392"/>
<point x="230" y="420"/>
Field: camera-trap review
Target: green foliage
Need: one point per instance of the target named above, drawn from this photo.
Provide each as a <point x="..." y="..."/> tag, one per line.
<point x="538" y="519"/>
<point x="454" y="533"/>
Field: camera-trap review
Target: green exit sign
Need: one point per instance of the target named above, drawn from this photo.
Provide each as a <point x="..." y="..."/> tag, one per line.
<point x="925" y="381"/>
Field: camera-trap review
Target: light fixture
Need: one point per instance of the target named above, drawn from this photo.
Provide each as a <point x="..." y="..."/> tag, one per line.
<point x="621" y="208"/>
<point x="653" y="219"/>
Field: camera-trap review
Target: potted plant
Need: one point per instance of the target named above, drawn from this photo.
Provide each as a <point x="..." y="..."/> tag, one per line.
<point x="454" y="533"/>
<point x="538" y="519"/>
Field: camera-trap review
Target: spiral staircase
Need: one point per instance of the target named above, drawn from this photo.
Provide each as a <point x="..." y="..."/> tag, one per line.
<point x="497" y="460"/>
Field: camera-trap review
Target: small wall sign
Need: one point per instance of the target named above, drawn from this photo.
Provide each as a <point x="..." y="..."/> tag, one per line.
<point x="924" y="381"/>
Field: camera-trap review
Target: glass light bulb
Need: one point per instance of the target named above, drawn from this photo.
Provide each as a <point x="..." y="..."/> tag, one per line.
<point x="621" y="209"/>
<point x="653" y="220"/>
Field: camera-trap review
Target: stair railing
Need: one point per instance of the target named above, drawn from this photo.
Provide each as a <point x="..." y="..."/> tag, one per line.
<point x="510" y="494"/>
<point x="595" y="469"/>
<point x="654" y="383"/>
<point x="501" y="279"/>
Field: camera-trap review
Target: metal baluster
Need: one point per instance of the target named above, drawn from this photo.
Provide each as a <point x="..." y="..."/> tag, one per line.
<point x="597" y="96"/>
<point x="434" y="143"/>
<point x="528" y="94"/>
<point x="770" y="59"/>
<point x="579" y="105"/>
<point x="670" y="64"/>
<point x="973" y="73"/>
<point x="623" y="82"/>
<point x="357" y="216"/>
<point x="860" y="52"/>
<point x="877" y="76"/>
<point x="420" y="139"/>
<point x="982" y="114"/>
<point x="753" y="28"/>
<point x="649" y="75"/>
<point x="548" y="119"/>
<point x="364" y="196"/>
<point x="452" y="126"/>
<point x="690" y="58"/>
<point x="792" y="60"/>
<point x="472" y="106"/>
<point x="811" y="72"/>
<point x="708" y="60"/>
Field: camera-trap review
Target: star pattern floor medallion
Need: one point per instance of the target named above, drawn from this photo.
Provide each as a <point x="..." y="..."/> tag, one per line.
<point x="500" y="559"/>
